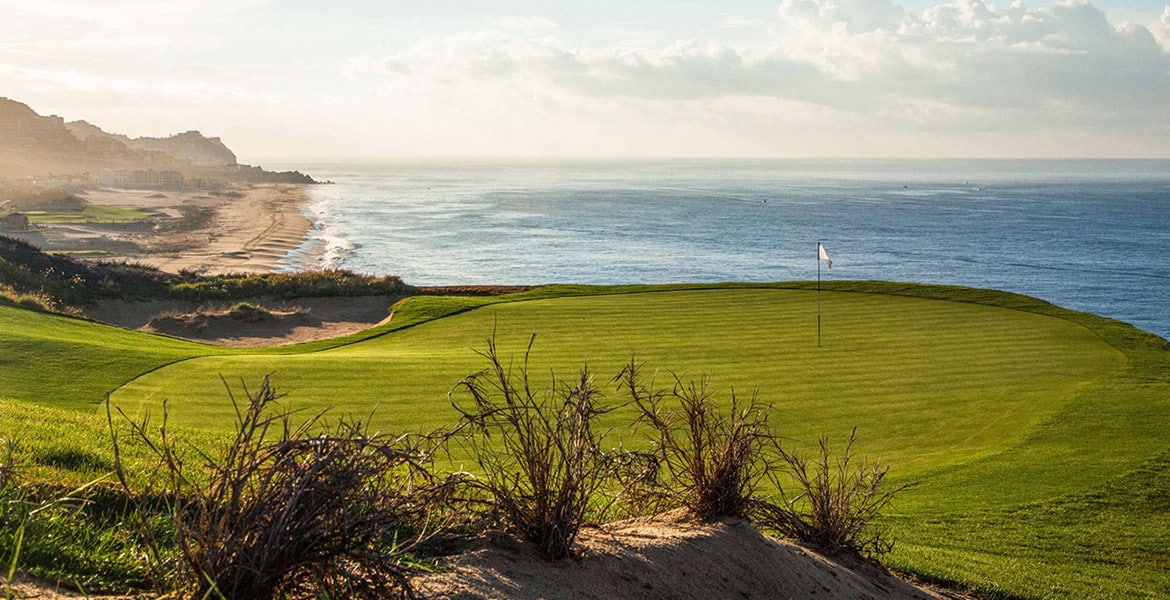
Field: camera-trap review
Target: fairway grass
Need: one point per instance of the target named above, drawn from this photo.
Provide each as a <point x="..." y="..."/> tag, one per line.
<point x="71" y="363"/>
<point x="93" y="214"/>
<point x="1037" y="434"/>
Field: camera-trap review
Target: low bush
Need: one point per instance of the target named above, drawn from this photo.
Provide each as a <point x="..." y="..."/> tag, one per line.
<point x="836" y="501"/>
<point x="249" y="313"/>
<point x="62" y="281"/>
<point x="539" y="453"/>
<point x="714" y="462"/>
<point x="27" y="300"/>
<point x="320" y="283"/>
<point x="317" y="509"/>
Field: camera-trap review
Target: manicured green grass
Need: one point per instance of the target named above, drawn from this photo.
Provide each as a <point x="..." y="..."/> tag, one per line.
<point x="72" y="363"/>
<point x="90" y="214"/>
<point x="888" y="375"/>
<point x="1038" y="435"/>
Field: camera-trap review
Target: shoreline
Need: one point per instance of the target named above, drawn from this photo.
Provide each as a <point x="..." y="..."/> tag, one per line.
<point x="242" y="229"/>
<point x="252" y="234"/>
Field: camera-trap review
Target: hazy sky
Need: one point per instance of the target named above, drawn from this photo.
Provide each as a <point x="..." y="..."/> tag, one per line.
<point x="287" y="79"/>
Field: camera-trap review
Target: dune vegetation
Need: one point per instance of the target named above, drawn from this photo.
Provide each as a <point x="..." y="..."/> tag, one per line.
<point x="1035" y="435"/>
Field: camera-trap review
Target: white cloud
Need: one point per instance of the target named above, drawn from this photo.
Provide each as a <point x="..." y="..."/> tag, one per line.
<point x="964" y="66"/>
<point x="821" y="74"/>
<point x="849" y="16"/>
<point x="526" y="24"/>
<point x="1162" y="29"/>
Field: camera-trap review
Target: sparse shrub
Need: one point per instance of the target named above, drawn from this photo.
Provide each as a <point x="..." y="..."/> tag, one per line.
<point x="539" y="453"/>
<point x="718" y="463"/>
<point x="29" y="301"/>
<point x="319" y="283"/>
<point x="714" y="461"/>
<point x="284" y="510"/>
<point x="249" y="313"/>
<point x="837" y="502"/>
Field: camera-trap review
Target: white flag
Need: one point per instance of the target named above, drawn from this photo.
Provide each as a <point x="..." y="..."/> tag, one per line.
<point x="822" y="255"/>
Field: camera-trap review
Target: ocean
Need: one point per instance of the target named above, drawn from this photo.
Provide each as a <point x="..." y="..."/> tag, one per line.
<point x="1087" y="235"/>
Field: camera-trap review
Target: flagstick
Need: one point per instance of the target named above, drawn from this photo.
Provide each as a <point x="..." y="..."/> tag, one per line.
<point x="818" y="294"/>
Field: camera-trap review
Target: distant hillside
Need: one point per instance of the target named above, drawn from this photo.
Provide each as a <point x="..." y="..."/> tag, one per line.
<point x="190" y="146"/>
<point x="32" y="145"/>
<point x="30" y="142"/>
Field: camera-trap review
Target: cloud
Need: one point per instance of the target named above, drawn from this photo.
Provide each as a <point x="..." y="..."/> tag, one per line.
<point x="849" y="16"/>
<point x="810" y="75"/>
<point x="1162" y="29"/>
<point x="966" y="65"/>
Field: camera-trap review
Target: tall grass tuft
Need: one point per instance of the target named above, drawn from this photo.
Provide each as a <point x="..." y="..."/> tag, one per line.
<point x="539" y="454"/>
<point x="284" y="510"/>
<point x="55" y="533"/>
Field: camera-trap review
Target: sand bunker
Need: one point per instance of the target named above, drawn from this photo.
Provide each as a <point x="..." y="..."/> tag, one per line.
<point x="278" y="322"/>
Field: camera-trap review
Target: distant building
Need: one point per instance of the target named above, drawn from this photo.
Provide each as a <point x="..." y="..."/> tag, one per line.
<point x="15" y="222"/>
<point x="170" y="179"/>
<point x="145" y="178"/>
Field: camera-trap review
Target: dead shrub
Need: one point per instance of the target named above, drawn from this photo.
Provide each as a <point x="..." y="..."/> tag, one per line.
<point x="836" y="504"/>
<point x="714" y="461"/>
<point x="539" y="453"/>
<point x="310" y="510"/>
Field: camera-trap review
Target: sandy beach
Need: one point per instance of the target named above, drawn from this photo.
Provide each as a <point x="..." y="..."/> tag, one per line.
<point x="247" y="234"/>
<point x="243" y="229"/>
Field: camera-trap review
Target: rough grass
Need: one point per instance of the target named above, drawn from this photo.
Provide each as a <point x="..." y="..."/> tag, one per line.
<point x="73" y="283"/>
<point x="78" y="530"/>
<point x="1037" y="434"/>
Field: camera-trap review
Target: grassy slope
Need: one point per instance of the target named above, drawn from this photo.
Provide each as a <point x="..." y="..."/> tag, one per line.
<point x="72" y="363"/>
<point x="1039" y="441"/>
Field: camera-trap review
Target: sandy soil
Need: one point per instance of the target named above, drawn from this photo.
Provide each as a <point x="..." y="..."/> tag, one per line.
<point x="665" y="557"/>
<point x="240" y="229"/>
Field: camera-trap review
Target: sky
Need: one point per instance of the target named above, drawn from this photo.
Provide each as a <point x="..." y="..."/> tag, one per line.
<point x="283" y="80"/>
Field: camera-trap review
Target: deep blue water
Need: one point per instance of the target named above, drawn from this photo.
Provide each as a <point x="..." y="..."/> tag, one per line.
<point x="1088" y="235"/>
